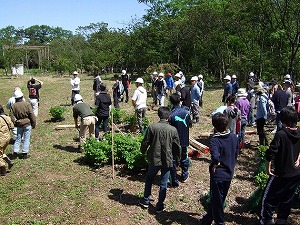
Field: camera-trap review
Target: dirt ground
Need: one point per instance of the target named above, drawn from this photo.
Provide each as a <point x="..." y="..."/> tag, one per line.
<point x="54" y="186"/>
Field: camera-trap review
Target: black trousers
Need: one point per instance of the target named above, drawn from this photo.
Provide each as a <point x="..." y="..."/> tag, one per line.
<point x="218" y="192"/>
<point x="279" y="194"/>
<point x="260" y="123"/>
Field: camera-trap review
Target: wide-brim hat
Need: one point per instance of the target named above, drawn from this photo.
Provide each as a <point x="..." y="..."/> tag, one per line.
<point x="258" y="89"/>
<point x="242" y="92"/>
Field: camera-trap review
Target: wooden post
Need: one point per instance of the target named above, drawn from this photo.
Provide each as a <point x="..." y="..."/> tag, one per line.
<point x="112" y="145"/>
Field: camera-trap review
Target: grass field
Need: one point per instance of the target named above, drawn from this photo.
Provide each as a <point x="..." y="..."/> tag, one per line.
<point x="54" y="186"/>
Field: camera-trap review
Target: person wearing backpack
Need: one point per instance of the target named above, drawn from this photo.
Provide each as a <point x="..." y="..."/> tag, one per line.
<point x="261" y="115"/>
<point x="280" y="100"/>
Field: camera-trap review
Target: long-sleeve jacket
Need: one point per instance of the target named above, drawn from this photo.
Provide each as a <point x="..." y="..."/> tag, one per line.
<point x="22" y="115"/>
<point x="5" y="126"/>
<point x="284" y="150"/>
<point x="224" y="151"/>
<point x="160" y="143"/>
<point x="262" y="110"/>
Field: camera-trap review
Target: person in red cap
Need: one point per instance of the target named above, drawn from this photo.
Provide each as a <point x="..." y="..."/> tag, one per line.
<point x="170" y="83"/>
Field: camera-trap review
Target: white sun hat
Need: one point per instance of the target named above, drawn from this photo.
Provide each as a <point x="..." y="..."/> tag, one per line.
<point x="139" y="80"/>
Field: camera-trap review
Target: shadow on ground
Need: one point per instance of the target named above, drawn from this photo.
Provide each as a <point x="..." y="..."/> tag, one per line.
<point x="67" y="148"/>
<point x="166" y="217"/>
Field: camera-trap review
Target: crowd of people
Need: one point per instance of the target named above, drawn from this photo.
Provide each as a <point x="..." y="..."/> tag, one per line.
<point x="166" y="142"/>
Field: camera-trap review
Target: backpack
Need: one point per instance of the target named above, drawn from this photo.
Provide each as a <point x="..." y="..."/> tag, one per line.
<point x="271" y="107"/>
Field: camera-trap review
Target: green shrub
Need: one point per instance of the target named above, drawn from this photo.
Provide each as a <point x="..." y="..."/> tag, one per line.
<point x="118" y="115"/>
<point x="262" y="151"/>
<point x="146" y="122"/>
<point x="126" y="151"/>
<point x="261" y="180"/>
<point x="97" y="152"/>
<point x="57" y="112"/>
<point x="131" y="120"/>
<point x="261" y="167"/>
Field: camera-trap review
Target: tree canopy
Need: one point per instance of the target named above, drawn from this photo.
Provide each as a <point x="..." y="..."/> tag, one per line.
<point x="213" y="37"/>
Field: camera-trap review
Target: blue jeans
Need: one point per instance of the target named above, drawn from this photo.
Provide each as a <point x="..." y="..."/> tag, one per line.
<point x="243" y="130"/>
<point x="26" y="132"/>
<point x="152" y="171"/>
<point x="98" y="123"/>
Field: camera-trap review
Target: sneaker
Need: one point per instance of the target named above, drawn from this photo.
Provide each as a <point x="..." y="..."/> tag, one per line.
<point x="186" y="179"/>
<point x="25" y="156"/>
<point x="14" y="155"/>
<point x="161" y="209"/>
<point x="144" y="204"/>
<point x="174" y="185"/>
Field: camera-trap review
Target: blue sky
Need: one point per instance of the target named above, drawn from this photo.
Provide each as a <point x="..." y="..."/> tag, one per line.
<point x="69" y="14"/>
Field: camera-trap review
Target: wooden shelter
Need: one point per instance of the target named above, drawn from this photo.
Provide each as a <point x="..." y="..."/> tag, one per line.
<point x="43" y="52"/>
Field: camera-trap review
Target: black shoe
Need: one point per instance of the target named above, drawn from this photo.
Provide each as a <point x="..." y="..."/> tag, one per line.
<point x="10" y="165"/>
<point x="25" y="156"/>
<point x="144" y="204"/>
<point x="14" y="155"/>
<point x="2" y="171"/>
<point x="174" y="185"/>
<point x="161" y="209"/>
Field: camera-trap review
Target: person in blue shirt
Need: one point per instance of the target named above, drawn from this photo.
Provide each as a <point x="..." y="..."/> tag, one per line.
<point x="180" y="119"/>
<point x="170" y="83"/>
<point x="261" y="115"/>
<point x="224" y="151"/>
<point x="195" y="97"/>
<point x="235" y="84"/>
<point x="227" y="89"/>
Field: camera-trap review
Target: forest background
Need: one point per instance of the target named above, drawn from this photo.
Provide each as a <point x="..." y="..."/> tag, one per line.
<point x="211" y="37"/>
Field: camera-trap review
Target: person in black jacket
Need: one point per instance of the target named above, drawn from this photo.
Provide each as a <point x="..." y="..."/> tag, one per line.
<point x="96" y="85"/>
<point x="103" y="103"/>
<point x="224" y="150"/>
<point x="284" y="152"/>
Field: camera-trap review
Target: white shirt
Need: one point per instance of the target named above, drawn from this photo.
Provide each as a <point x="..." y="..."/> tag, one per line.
<point x="140" y="97"/>
<point x="75" y="81"/>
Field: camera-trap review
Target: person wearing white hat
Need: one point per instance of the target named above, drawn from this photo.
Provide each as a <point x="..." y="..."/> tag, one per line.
<point x="182" y="78"/>
<point x="200" y="84"/>
<point x="139" y="100"/>
<point x="88" y="120"/>
<point x="161" y="89"/>
<point x="75" y="85"/>
<point x="243" y="104"/>
<point x="185" y="95"/>
<point x="195" y="97"/>
<point x="24" y="119"/>
<point x="227" y="88"/>
<point x="126" y="84"/>
<point x="235" y="84"/>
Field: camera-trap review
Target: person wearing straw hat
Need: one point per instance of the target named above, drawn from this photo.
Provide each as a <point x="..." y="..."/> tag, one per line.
<point x="139" y="100"/>
<point x="227" y="88"/>
<point x="243" y="105"/>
